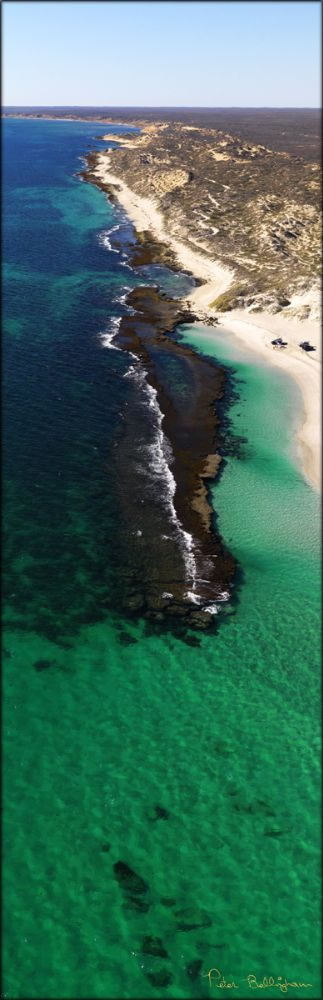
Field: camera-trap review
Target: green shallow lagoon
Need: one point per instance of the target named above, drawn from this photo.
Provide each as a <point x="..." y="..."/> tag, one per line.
<point x="225" y="737"/>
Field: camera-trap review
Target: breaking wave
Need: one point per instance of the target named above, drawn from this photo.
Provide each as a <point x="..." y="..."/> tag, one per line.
<point x="159" y="455"/>
<point x="121" y="299"/>
<point x="104" y="238"/>
<point x="107" y="336"/>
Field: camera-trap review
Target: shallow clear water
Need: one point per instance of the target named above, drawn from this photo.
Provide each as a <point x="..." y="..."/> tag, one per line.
<point x="224" y="736"/>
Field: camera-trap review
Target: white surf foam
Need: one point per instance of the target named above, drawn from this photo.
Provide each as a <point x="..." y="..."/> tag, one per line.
<point x="159" y="454"/>
<point x="120" y="299"/>
<point x="104" y="238"/>
<point x="107" y="336"/>
<point x="131" y="373"/>
<point x="194" y="598"/>
<point x="212" y="609"/>
<point x="225" y="596"/>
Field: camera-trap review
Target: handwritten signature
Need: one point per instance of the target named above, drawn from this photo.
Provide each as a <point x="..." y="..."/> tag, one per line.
<point x="216" y="978"/>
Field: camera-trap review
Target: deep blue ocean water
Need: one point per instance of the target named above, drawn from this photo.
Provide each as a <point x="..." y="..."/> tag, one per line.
<point x="63" y="394"/>
<point x="223" y="738"/>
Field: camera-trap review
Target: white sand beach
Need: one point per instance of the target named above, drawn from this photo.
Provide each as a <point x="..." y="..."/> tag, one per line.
<point x="257" y="330"/>
<point x="146" y="217"/>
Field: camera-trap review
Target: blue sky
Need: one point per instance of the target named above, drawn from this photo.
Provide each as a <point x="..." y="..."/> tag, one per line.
<point x="184" y="54"/>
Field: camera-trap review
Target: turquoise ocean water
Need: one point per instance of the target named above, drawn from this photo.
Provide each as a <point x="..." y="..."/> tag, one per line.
<point x="223" y="738"/>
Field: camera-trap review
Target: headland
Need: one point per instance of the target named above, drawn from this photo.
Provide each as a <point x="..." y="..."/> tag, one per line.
<point x="244" y="219"/>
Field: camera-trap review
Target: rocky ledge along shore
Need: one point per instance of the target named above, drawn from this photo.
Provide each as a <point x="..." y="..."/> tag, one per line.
<point x="187" y="388"/>
<point x="154" y="580"/>
<point x="253" y="209"/>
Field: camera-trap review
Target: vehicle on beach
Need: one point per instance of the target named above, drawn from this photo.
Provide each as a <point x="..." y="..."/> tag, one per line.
<point x="306" y="346"/>
<point x="278" y="343"/>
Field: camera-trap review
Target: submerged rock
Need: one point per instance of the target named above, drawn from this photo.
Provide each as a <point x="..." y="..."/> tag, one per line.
<point x="161" y="813"/>
<point x="136" y="903"/>
<point x="265" y="807"/>
<point x="126" y="639"/>
<point x="160" y="978"/>
<point x="154" y="946"/>
<point x="201" y="620"/>
<point x="44" y="664"/>
<point x="243" y="807"/>
<point x="191" y="640"/>
<point x="193" y="968"/>
<point x="190" y="918"/>
<point x="129" y="881"/>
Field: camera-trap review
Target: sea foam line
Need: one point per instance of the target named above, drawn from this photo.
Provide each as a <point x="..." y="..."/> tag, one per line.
<point x="104" y="238"/>
<point x="120" y="299"/>
<point x="107" y="336"/>
<point x="158" y="453"/>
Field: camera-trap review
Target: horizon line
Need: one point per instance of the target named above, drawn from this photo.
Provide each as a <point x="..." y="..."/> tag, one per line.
<point x="175" y="107"/>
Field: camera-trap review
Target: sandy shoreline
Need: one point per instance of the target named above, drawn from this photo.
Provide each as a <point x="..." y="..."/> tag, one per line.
<point x="147" y="217"/>
<point x="256" y="330"/>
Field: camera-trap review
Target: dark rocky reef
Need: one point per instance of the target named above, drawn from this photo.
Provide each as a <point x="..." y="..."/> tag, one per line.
<point x="154" y="946"/>
<point x="129" y="881"/>
<point x="191" y="918"/>
<point x="172" y="562"/>
<point x="134" y="887"/>
<point x="44" y="664"/>
<point x="160" y="813"/>
<point x="194" y="968"/>
<point x="160" y="979"/>
<point x="159" y="570"/>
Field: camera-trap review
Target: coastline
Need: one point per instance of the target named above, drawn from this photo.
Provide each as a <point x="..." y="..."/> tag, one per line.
<point x="146" y="217"/>
<point x="194" y="435"/>
<point x="185" y="576"/>
<point x="256" y="330"/>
